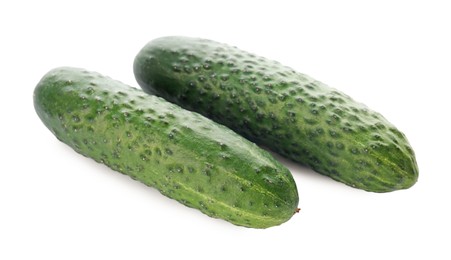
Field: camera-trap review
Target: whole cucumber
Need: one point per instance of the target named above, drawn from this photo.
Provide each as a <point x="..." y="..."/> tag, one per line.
<point x="186" y="156"/>
<point x="273" y="105"/>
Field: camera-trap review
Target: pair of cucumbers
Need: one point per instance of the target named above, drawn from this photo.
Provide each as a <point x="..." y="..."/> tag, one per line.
<point x="198" y="158"/>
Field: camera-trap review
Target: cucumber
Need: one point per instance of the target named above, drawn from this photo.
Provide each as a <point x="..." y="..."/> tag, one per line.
<point x="184" y="155"/>
<point x="275" y="106"/>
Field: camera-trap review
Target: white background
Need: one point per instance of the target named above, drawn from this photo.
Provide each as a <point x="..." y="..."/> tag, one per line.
<point x="393" y="56"/>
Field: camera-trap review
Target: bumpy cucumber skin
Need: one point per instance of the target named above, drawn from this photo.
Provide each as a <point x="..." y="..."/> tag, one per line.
<point x="184" y="155"/>
<point x="273" y="105"/>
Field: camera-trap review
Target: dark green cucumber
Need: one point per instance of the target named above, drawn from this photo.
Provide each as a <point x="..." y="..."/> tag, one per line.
<point x="273" y="105"/>
<point x="184" y="155"/>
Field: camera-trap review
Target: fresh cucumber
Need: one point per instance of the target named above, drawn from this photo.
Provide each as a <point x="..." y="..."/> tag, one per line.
<point x="184" y="155"/>
<point x="273" y="105"/>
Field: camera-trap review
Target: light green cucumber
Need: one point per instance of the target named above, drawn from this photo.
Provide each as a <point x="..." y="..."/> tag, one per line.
<point x="287" y="111"/>
<point x="184" y="155"/>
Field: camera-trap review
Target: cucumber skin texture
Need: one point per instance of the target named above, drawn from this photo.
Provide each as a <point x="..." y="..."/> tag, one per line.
<point x="273" y="105"/>
<point x="186" y="156"/>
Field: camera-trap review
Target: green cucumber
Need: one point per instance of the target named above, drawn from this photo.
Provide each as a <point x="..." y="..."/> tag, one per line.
<point x="275" y="106"/>
<point x="184" y="155"/>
